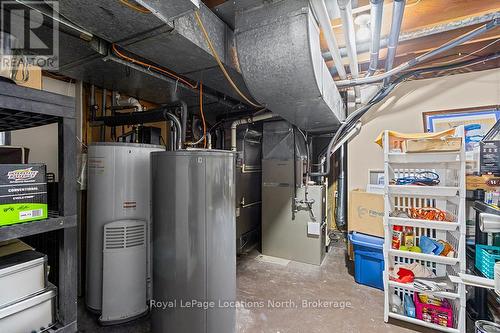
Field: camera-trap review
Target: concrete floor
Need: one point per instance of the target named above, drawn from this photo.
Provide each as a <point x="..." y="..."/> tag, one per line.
<point x="351" y="308"/>
<point x="262" y="281"/>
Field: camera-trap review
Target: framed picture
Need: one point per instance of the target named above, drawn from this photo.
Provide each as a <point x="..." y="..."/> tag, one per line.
<point x="477" y="121"/>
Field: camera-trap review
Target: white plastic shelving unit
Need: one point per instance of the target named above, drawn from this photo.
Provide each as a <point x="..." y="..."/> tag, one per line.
<point x="449" y="195"/>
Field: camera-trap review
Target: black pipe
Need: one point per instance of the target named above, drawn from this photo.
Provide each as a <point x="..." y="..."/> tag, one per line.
<point x="122" y="107"/>
<point x="103" y="113"/>
<point x="184" y="115"/>
<point x="113" y="113"/>
<point x="341" y="205"/>
<point x="135" y="118"/>
<point x="92" y="103"/>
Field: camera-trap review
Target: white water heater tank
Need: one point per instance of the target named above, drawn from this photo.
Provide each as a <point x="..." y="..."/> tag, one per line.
<point x="119" y="195"/>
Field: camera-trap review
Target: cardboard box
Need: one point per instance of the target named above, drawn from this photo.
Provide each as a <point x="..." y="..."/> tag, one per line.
<point x="23" y="193"/>
<point x="432" y="145"/>
<point x="13" y="246"/>
<point x="485" y="182"/>
<point x="366" y="213"/>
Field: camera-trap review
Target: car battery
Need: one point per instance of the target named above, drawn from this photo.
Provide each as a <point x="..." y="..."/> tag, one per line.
<point x="23" y="193"/>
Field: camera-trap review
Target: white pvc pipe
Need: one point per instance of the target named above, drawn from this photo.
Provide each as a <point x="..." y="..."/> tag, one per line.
<point x="128" y="101"/>
<point x="248" y="120"/>
<point x="321" y="12"/>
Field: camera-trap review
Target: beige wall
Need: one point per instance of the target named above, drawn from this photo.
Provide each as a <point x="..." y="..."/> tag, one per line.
<point x="42" y="140"/>
<point x="402" y="111"/>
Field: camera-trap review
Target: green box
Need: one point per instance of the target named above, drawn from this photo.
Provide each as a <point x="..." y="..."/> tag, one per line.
<point x="23" y="193"/>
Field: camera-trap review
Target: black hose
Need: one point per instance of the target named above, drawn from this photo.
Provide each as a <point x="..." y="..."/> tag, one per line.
<point x="134" y="118"/>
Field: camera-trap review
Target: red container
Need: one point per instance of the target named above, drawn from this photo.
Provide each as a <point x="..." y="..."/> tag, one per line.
<point x="439" y="315"/>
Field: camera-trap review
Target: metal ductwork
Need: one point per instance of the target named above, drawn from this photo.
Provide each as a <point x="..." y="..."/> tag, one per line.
<point x="163" y="32"/>
<point x="280" y="59"/>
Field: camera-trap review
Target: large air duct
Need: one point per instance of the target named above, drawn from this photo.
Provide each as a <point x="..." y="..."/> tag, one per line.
<point x="280" y="59"/>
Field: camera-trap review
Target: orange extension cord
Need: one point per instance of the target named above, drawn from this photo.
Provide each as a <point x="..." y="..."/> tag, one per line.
<point x="137" y="8"/>
<point x="173" y="75"/>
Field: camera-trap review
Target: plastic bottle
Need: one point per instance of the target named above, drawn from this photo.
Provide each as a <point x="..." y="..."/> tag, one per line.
<point x="397" y="236"/>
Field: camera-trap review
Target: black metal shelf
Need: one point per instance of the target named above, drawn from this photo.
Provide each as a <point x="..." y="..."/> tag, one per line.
<point x="11" y="120"/>
<point x="477" y="306"/>
<point x="485" y="208"/>
<point x="22" y="108"/>
<point x="54" y="222"/>
<point x="37" y="102"/>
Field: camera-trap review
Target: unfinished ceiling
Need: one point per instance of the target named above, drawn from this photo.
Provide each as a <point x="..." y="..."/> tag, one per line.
<point x="158" y="33"/>
<point x="428" y="24"/>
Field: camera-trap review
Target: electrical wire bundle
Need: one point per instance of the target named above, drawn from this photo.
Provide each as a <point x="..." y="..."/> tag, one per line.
<point x="421" y="178"/>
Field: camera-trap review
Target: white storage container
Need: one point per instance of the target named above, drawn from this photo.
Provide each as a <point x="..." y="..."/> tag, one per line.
<point x="32" y="314"/>
<point x="446" y="196"/>
<point x="21" y="274"/>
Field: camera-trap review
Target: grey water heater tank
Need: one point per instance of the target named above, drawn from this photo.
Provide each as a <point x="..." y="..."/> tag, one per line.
<point x="118" y="227"/>
<point x="194" y="253"/>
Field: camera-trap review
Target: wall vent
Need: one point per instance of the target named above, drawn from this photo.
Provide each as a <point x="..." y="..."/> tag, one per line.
<point x="124" y="234"/>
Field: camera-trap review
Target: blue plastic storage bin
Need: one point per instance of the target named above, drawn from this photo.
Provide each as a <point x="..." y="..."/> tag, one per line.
<point x="486" y="257"/>
<point x="368" y="260"/>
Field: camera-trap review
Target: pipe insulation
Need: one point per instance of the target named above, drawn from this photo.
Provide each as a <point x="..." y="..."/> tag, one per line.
<point x="424" y="32"/>
<point x="397" y="19"/>
<point x="376" y="12"/>
<point x="424" y="57"/>
<point x="353" y="122"/>
<point x="280" y="58"/>
<point x="349" y="35"/>
<point x="347" y="19"/>
<point x="321" y="12"/>
<point x="128" y="101"/>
